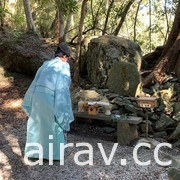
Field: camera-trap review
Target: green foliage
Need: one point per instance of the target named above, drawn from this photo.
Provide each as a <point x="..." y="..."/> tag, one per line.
<point x="44" y="12"/>
<point x="19" y="19"/>
<point x="3" y="12"/>
<point x="68" y="6"/>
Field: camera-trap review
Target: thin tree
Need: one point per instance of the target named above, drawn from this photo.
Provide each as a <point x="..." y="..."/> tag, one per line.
<point x="59" y="22"/>
<point x="1" y="16"/>
<point x="67" y="26"/>
<point x="29" y="19"/>
<point x="167" y="20"/>
<point x="79" y="39"/>
<point x="150" y="25"/>
<point x="124" y="13"/>
<point x="61" y="26"/>
<point x="64" y="9"/>
<point x="107" y="17"/>
<point x="169" y="60"/>
<point x="135" y="19"/>
<point x="95" y="18"/>
<point x="56" y="26"/>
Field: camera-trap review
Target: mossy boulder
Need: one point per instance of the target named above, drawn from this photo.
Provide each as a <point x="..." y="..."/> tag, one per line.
<point x="103" y="52"/>
<point x="124" y="79"/>
<point x="23" y="54"/>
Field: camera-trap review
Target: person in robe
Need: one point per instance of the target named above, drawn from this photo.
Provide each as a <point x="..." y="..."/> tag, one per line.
<point x="47" y="103"/>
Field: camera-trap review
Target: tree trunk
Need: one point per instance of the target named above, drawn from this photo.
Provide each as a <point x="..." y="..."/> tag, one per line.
<point x="95" y="17"/>
<point x="150" y="24"/>
<point x="135" y="19"/>
<point x="78" y="46"/>
<point x="167" y="20"/>
<point x="174" y="57"/>
<point x="56" y="26"/>
<point x="66" y="29"/>
<point x="107" y="17"/>
<point x="1" y="16"/>
<point x="123" y="17"/>
<point x="29" y="19"/>
<point x="170" y="57"/>
<point x="59" y="22"/>
<point x="61" y="27"/>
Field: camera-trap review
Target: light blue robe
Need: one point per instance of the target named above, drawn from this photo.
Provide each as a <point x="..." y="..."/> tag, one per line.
<point x="47" y="102"/>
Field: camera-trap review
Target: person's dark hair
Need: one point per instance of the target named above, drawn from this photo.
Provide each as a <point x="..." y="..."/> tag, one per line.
<point x="62" y="50"/>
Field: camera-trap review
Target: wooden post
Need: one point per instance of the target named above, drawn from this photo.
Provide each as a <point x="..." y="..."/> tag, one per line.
<point x="146" y="122"/>
<point x="126" y="133"/>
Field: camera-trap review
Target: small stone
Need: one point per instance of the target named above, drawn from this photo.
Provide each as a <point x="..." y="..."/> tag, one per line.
<point x="173" y="174"/>
<point x="109" y="130"/>
<point x="176" y="133"/>
<point x="164" y="122"/>
<point x="162" y="134"/>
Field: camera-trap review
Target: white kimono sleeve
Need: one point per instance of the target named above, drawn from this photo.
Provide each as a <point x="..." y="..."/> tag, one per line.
<point x="63" y="107"/>
<point x="27" y="101"/>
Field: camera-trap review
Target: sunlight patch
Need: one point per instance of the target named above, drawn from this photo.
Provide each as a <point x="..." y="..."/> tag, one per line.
<point x="13" y="142"/>
<point x="13" y="104"/>
<point x="5" y="171"/>
<point x="5" y="84"/>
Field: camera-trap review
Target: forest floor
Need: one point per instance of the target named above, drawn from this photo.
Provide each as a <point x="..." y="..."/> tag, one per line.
<point x="13" y="136"/>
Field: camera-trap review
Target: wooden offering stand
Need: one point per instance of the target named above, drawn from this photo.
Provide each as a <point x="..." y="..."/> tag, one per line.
<point x="145" y="103"/>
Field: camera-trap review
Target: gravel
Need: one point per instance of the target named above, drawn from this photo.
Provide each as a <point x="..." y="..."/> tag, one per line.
<point x="13" y="136"/>
<point x="12" y="165"/>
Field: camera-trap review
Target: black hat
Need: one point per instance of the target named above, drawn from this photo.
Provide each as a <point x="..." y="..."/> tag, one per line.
<point x="63" y="48"/>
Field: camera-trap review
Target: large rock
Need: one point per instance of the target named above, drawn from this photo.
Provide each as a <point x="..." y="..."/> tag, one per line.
<point x="104" y="51"/>
<point x="176" y="111"/>
<point x="124" y="79"/>
<point x="135" y="110"/>
<point x="174" y="172"/>
<point x="24" y="54"/>
<point x="176" y="133"/>
<point x="164" y="122"/>
<point x="177" y="144"/>
<point x="83" y="55"/>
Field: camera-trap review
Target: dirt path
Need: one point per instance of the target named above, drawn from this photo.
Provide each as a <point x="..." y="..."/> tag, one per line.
<point x="12" y="141"/>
